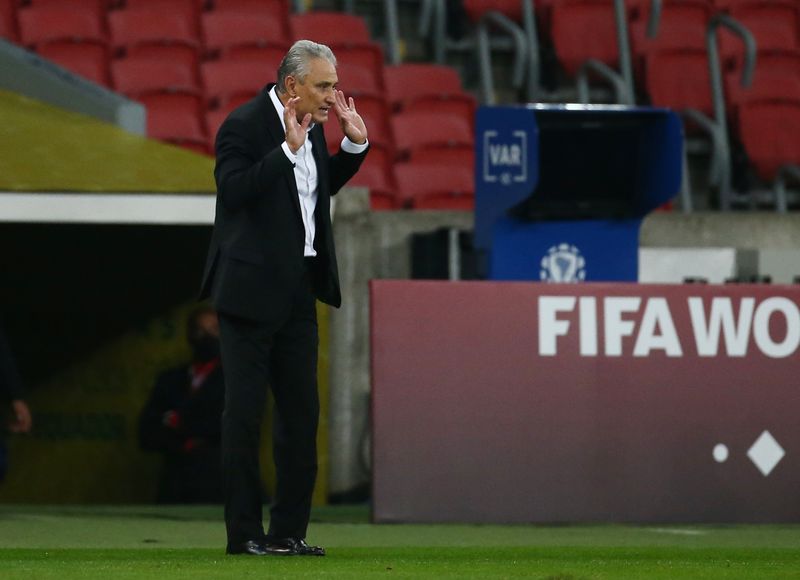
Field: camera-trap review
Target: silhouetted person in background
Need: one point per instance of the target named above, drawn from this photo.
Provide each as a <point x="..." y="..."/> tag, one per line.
<point x="182" y="418"/>
<point x="11" y="391"/>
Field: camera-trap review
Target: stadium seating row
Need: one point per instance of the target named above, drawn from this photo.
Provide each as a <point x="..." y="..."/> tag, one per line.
<point x="190" y="68"/>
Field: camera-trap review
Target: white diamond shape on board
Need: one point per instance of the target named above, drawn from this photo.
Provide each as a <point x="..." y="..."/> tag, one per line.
<point x="766" y="453"/>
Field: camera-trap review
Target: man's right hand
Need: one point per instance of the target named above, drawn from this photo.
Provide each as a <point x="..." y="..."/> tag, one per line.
<point x="295" y="132"/>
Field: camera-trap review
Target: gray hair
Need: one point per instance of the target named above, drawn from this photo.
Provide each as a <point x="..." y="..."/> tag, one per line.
<point x="296" y="61"/>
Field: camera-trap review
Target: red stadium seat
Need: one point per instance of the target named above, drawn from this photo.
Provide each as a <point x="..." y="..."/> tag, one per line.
<point x="433" y="186"/>
<point x="136" y="75"/>
<point x="225" y="80"/>
<point x="583" y="30"/>
<point x="382" y="190"/>
<point x="769" y="130"/>
<point x="776" y="76"/>
<point x="367" y="55"/>
<point x="331" y="28"/>
<point x="8" y="20"/>
<point x="185" y="7"/>
<point x="222" y="30"/>
<point x="187" y="56"/>
<point x="269" y="56"/>
<point x="456" y="156"/>
<point x="275" y="7"/>
<point x="131" y="27"/>
<point x="679" y="79"/>
<point x="463" y="106"/>
<point x="97" y="6"/>
<point x="475" y="9"/>
<point x="413" y="131"/>
<point x="356" y="80"/>
<point x="682" y="25"/>
<point x="408" y="82"/>
<point x="176" y="118"/>
<point x="87" y="59"/>
<point x="775" y="26"/>
<point x="37" y="25"/>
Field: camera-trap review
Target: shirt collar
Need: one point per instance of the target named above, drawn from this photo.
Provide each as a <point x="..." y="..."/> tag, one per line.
<point x="276" y="102"/>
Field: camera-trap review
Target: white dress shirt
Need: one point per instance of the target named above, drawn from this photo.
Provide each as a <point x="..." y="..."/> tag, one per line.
<point x="305" y="173"/>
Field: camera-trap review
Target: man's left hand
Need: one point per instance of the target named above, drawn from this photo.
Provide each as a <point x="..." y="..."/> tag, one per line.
<point x="350" y="121"/>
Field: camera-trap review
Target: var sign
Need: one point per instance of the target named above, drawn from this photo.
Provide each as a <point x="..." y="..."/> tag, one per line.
<point x="505" y="160"/>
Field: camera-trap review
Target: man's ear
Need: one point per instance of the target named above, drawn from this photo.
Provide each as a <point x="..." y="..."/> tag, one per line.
<point x="290" y="85"/>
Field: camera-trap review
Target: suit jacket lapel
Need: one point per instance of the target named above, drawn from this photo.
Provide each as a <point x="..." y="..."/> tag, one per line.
<point x="278" y="136"/>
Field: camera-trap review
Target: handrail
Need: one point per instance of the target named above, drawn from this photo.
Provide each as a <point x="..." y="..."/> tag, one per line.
<point x="621" y="18"/>
<point x="484" y="58"/>
<point x="717" y="90"/>
<point x="779" y="186"/>
<point x="612" y="76"/>
<point x="392" y="30"/>
<point x="654" y="21"/>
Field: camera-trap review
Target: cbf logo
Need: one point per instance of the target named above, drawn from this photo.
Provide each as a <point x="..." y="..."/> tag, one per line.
<point x="505" y="160"/>
<point x="563" y="263"/>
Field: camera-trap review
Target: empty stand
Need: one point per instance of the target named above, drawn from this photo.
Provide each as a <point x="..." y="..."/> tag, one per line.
<point x="87" y="59"/>
<point x="269" y="56"/>
<point x="131" y="27"/>
<point x="415" y="131"/>
<point x="276" y="7"/>
<point x="225" y="80"/>
<point x="475" y="9"/>
<point x="776" y="76"/>
<point x="223" y="30"/>
<point x="382" y="190"/>
<point x="177" y="118"/>
<point x="356" y="80"/>
<point x="774" y="25"/>
<point x="682" y="24"/>
<point x="408" y="82"/>
<point x="583" y="30"/>
<point x="137" y="75"/>
<point x="454" y="156"/>
<point x="769" y="132"/>
<point x="187" y="56"/>
<point x="679" y="79"/>
<point x="331" y="28"/>
<point x="429" y="186"/>
<point x="46" y="24"/>
<point x="8" y="20"/>
<point x="96" y="6"/>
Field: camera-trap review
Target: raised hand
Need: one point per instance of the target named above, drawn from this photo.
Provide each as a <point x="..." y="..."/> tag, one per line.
<point x="350" y="121"/>
<point x="295" y="132"/>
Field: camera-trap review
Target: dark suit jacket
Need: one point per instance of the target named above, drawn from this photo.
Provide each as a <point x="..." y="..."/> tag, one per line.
<point x="255" y="261"/>
<point x="10" y="383"/>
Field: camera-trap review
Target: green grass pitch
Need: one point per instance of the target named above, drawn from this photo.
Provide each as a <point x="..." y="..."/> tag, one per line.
<point x="144" y="542"/>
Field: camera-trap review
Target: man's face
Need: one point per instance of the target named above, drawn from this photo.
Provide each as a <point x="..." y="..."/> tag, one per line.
<point x="316" y="92"/>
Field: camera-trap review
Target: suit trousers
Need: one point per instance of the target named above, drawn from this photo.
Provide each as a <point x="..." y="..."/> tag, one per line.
<point x="281" y="356"/>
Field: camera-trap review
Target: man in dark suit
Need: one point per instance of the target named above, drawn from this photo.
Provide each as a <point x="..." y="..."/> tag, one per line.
<point x="11" y="391"/>
<point x="181" y="419"/>
<point x="271" y="257"/>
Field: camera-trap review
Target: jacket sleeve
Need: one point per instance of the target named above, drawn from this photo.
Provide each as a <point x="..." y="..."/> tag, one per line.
<point x="153" y="434"/>
<point x="10" y="383"/>
<point x="343" y="166"/>
<point x="241" y="176"/>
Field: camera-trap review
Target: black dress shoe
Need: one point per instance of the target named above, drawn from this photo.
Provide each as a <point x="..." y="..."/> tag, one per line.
<point x="256" y="548"/>
<point x="295" y="546"/>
